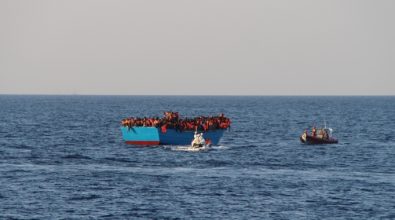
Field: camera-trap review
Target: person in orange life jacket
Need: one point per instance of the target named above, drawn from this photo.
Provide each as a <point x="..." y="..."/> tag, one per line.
<point x="164" y="128"/>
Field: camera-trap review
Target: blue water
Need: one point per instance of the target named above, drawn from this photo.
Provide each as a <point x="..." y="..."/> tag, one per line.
<point x="62" y="157"/>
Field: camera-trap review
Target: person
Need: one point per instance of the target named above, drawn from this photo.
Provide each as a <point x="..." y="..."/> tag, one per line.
<point x="202" y="142"/>
<point x="313" y="132"/>
<point x="198" y="140"/>
<point x="324" y="134"/>
<point x="304" y="135"/>
<point x="195" y="141"/>
<point x="321" y="132"/>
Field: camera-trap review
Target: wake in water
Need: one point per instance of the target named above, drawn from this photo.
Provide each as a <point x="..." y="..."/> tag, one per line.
<point x="193" y="149"/>
<point x="187" y="148"/>
<point x="220" y="147"/>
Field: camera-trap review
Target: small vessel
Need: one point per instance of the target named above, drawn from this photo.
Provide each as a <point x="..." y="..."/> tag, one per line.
<point x="324" y="136"/>
<point x="199" y="141"/>
<point x="198" y="144"/>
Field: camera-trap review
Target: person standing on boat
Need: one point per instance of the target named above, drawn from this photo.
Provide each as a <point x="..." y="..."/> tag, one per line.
<point x="325" y="134"/>
<point x="304" y="135"/>
<point x="196" y="141"/>
<point x="313" y="132"/>
<point x="202" y="141"/>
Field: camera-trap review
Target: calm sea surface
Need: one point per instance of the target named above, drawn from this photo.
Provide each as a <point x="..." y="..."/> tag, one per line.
<point x="62" y="157"/>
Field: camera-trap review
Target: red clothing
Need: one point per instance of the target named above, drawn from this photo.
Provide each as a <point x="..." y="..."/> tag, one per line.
<point x="164" y="129"/>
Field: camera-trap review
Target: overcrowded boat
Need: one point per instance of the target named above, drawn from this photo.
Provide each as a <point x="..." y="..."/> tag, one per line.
<point x="172" y="129"/>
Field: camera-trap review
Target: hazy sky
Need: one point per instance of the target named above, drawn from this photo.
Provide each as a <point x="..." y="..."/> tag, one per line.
<point x="182" y="47"/>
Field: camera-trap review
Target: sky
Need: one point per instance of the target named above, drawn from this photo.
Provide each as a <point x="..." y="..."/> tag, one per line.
<point x="204" y="47"/>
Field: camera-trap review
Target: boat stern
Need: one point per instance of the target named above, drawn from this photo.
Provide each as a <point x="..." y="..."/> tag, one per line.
<point x="140" y="135"/>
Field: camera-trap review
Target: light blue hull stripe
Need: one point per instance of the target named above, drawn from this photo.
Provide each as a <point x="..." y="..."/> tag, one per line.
<point x="171" y="137"/>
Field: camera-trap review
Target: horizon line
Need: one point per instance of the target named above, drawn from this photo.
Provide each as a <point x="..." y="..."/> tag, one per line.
<point x="235" y="95"/>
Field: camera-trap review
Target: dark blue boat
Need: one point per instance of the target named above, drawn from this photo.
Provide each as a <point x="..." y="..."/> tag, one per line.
<point x="154" y="136"/>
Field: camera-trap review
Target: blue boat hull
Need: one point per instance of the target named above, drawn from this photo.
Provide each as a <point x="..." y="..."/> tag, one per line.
<point x="154" y="136"/>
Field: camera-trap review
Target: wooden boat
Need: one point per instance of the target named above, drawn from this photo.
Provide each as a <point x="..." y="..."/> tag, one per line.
<point x="168" y="134"/>
<point x="154" y="136"/>
<point x="324" y="138"/>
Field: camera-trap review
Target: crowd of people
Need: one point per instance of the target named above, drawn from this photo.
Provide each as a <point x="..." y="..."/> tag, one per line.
<point x="172" y="120"/>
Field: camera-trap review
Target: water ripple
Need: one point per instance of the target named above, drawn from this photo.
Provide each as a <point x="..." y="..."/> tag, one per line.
<point x="79" y="167"/>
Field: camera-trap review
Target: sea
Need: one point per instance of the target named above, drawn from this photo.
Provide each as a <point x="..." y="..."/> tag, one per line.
<point x="63" y="157"/>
